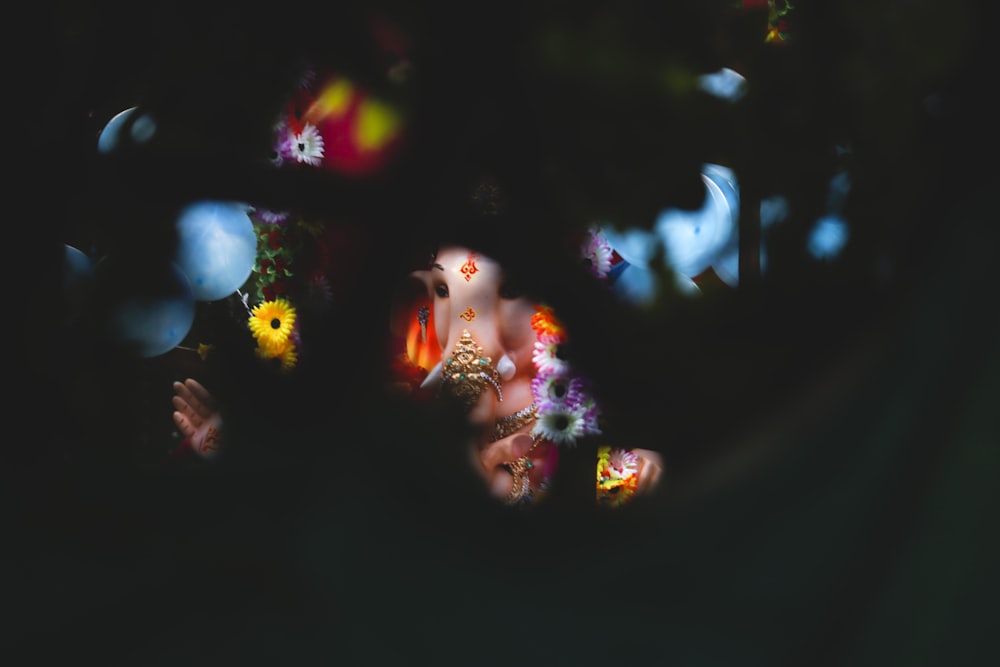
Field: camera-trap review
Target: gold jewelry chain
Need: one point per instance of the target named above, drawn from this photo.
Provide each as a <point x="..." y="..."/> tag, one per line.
<point x="511" y="423"/>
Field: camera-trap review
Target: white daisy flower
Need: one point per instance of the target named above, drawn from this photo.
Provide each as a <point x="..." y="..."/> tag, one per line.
<point x="545" y="359"/>
<point x="622" y="463"/>
<point x="269" y="217"/>
<point x="591" y="416"/>
<point x="561" y="425"/>
<point x="550" y="389"/>
<point x="307" y="146"/>
<point x="596" y="253"/>
<point x="282" y="147"/>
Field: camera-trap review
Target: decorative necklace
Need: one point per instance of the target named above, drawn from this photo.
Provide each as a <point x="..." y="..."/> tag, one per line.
<point x="507" y="425"/>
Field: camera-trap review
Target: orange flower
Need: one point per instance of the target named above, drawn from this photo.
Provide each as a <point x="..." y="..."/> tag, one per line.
<point x="545" y="324"/>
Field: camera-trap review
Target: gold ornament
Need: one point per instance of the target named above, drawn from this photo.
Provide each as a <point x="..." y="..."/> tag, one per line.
<point x="467" y="372"/>
<point x="511" y="423"/>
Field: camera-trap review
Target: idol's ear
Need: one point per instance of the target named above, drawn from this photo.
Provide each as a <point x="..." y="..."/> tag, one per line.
<point x="423" y="277"/>
<point x="411" y="294"/>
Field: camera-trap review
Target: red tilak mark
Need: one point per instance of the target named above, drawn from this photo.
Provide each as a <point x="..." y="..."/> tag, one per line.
<point x="470" y="267"/>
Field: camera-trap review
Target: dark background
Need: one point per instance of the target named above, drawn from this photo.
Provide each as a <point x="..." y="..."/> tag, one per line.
<point x="829" y="428"/>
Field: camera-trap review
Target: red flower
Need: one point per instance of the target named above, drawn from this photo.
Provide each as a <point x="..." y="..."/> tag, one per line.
<point x="274" y="290"/>
<point x="274" y="239"/>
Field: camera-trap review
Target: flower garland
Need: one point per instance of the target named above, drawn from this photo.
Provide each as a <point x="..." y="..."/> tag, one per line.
<point x="289" y="269"/>
<point x="301" y="267"/>
<point x="566" y="409"/>
<point x="617" y="475"/>
<point x="596" y="253"/>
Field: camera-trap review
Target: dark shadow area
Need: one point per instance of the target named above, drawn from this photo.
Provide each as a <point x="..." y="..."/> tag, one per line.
<point x="829" y="427"/>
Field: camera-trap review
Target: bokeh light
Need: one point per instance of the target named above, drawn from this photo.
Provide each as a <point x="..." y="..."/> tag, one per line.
<point x="216" y="247"/>
<point x="773" y="209"/>
<point x="140" y="125"/>
<point x="637" y="285"/>
<point x="145" y="309"/>
<point x="360" y="132"/>
<point x="727" y="84"/>
<point x="828" y="237"/>
<point x="143" y="128"/>
<point x="78" y="281"/>
<point x="693" y="240"/>
<point x="632" y="279"/>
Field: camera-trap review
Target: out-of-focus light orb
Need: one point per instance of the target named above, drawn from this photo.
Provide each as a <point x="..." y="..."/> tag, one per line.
<point x="111" y="135"/>
<point x="78" y="281"/>
<point x="693" y="239"/>
<point x="727" y="266"/>
<point x="140" y="125"/>
<point x="78" y="269"/>
<point x="632" y="280"/>
<point x="685" y="286"/>
<point x="726" y="84"/>
<point x="773" y="209"/>
<point x="636" y="285"/>
<point x="216" y="247"/>
<point x="725" y="178"/>
<point x="146" y="310"/>
<point x="827" y="238"/>
<point x="837" y="191"/>
<point x="359" y="131"/>
<point x="143" y="128"/>
<point x="635" y="246"/>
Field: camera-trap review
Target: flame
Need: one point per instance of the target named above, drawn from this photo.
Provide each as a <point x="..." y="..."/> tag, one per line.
<point x="425" y="354"/>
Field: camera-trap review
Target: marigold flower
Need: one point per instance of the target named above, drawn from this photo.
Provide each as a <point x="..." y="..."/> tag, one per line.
<point x="545" y="323"/>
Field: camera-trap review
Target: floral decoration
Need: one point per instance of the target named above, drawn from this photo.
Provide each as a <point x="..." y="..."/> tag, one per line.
<point x="305" y="146"/>
<point x="596" y="252"/>
<point x="778" y="29"/>
<point x="546" y="356"/>
<point x="617" y="467"/>
<point x="543" y="322"/>
<point x="559" y="423"/>
<point x="272" y="322"/>
<point x="566" y="409"/>
<point x="617" y="476"/>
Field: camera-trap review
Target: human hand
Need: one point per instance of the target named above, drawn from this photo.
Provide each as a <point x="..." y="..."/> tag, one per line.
<point x="495" y="461"/>
<point x="197" y="417"/>
<point x="650" y="469"/>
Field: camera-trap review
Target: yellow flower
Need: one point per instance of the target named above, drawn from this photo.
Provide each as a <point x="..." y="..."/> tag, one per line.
<point x="204" y="349"/>
<point x="271" y="323"/>
<point x="289" y="357"/>
<point x="286" y="353"/>
<point x="603" y="454"/>
<point x="613" y="490"/>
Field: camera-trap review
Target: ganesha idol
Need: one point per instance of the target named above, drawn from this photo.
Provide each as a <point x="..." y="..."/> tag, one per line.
<point x="472" y="339"/>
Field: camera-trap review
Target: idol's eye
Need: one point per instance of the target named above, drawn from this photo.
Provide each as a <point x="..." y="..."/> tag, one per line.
<point x="441" y="290"/>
